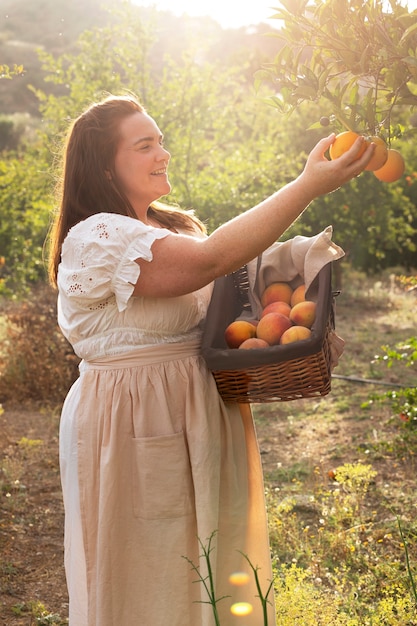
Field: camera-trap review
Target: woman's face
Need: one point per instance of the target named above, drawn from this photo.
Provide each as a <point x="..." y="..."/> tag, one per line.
<point x="141" y="162"/>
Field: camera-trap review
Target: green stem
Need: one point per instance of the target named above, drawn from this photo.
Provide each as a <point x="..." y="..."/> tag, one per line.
<point x="263" y="598"/>
<point x="208" y="586"/>
<point x="407" y="561"/>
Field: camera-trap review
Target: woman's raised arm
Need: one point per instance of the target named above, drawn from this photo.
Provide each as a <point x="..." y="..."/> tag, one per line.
<point x="182" y="263"/>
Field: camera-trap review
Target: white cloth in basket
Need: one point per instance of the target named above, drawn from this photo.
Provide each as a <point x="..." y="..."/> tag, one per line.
<point x="296" y="261"/>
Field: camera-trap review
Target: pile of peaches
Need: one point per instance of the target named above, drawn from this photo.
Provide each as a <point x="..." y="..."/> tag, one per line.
<point x="286" y="317"/>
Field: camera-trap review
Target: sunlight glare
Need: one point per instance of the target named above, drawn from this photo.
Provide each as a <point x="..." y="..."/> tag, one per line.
<point x="239" y="578"/>
<point x="228" y="15"/>
<point x="241" y="608"/>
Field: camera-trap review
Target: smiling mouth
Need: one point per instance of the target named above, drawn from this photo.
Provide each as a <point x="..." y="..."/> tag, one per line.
<point x="163" y="170"/>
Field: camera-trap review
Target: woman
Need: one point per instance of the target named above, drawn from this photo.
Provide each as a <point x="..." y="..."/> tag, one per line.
<point x="153" y="463"/>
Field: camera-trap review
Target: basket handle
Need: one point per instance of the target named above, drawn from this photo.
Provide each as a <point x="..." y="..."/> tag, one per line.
<point x="242" y="285"/>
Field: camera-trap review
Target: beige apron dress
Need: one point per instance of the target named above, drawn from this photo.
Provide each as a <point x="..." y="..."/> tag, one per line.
<point x="153" y="463"/>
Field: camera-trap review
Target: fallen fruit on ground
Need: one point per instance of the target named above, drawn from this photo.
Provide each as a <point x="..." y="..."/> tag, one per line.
<point x="276" y="292"/>
<point x="393" y="168"/>
<point x="303" y="313"/>
<point x="295" y="333"/>
<point x="379" y="156"/>
<point x="271" y="327"/>
<point x="237" y="332"/>
<point x="343" y="142"/>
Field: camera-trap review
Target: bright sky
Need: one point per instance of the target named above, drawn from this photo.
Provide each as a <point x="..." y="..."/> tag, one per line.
<point x="230" y="14"/>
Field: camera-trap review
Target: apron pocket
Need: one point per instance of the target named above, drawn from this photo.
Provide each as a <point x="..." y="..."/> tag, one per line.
<point x="161" y="477"/>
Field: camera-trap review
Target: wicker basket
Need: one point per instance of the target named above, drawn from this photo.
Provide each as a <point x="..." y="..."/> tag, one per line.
<point x="274" y="374"/>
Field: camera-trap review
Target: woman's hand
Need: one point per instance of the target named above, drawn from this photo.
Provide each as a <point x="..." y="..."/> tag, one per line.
<point x="322" y="175"/>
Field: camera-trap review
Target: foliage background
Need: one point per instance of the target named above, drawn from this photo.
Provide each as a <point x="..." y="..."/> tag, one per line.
<point x="333" y="519"/>
<point x="230" y="148"/>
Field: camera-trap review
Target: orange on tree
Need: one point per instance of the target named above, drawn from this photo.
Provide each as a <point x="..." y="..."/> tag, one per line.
<point x="379" y="156"/>
<point x="343" y="142"/>
<point x="393" y="168"/>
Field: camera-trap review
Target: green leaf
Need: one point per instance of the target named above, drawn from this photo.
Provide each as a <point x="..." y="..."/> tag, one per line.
<point x="408" y="33"/>
<point x="410" y="61"/>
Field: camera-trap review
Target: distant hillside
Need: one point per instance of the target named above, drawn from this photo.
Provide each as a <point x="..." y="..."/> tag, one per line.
<point x="26" y="25"/>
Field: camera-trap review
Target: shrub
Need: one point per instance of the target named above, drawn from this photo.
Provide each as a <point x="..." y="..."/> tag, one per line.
<point x="403" y="400"/>
<point x="36" y="361"/>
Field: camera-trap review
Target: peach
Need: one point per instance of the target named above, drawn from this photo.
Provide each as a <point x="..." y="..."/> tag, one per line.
<point x="298" y="295"/>
<point x="303" y="313"/>
<point x="238" y="331"/>
<point x="275" y="292"/>
<point x="271" y="327"/>
<point x="295" y="333"/>
<point x="277" y="307"/>
<point x="253" y="343"/>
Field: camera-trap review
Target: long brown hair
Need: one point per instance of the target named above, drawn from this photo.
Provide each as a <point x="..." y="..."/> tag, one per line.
<point x="85" y="189"/>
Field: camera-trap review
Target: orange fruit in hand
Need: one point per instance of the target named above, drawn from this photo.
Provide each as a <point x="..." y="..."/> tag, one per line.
<point x="393" y="168"/>
<point x="343" y="142"/>
<point x="379" y="156"/>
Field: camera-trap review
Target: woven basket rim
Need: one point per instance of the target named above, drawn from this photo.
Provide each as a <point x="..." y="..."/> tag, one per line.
<point x="298" y="378"/>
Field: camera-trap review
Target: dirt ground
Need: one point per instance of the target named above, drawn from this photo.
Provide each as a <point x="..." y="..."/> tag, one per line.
<point x="32" y="517"/>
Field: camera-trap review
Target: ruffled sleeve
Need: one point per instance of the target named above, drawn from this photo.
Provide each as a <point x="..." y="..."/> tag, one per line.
<point x="98" y="258"/>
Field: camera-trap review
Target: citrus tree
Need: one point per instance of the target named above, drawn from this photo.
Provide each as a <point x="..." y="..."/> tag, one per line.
<point x="357" y="57"/>
<point x="354" y="62"/>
